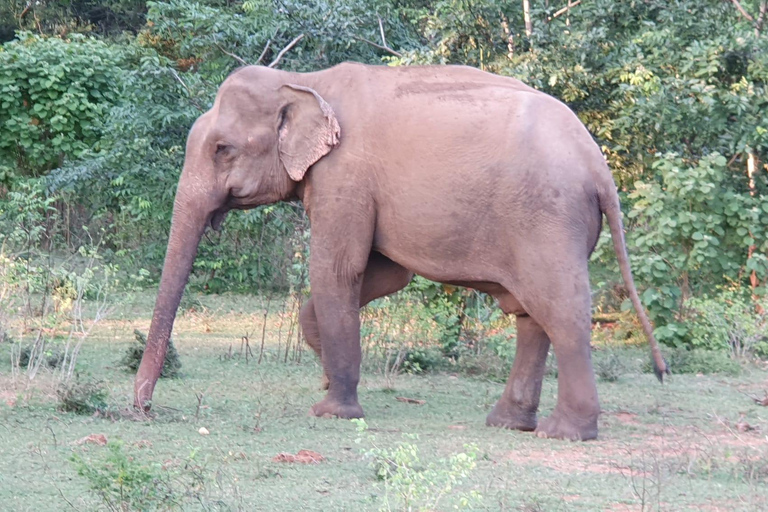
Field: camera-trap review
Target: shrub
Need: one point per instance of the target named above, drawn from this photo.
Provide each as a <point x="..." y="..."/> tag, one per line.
<point x="54" y="93"/>
<point x="609" y="366"/>
<point x="728" y="322"/>
<point x="122" y="482"/>
<point x="414" y="484"/>
<point x="682" y="360"/>
<point x="82" y="396"/>
<point x="132" y="358"/>
<point x="53" y="358"/>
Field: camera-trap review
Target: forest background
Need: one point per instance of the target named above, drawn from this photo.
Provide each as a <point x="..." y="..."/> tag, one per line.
<point x="96" y="99"/>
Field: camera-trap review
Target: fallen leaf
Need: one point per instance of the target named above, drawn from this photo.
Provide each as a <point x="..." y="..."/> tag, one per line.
<point x="303" y="457"/>
<point x="99" y="439"/>
<point x="410" y="400"/>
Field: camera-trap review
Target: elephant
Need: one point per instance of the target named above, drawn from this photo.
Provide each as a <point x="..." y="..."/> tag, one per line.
<point x="449" y="172"/>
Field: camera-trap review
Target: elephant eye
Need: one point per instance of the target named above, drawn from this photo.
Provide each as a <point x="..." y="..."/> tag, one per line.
<point x="224" y="151"/>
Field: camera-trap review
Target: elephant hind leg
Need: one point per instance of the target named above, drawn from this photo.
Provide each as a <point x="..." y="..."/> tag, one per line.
<point x="560" y="304"/>
<point x="382" y="277"/>
<point x="517" y="407"/>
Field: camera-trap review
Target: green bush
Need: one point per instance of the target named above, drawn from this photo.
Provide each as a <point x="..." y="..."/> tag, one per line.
<point x="54" y="93"/>
<point x="123" y="482"/>
<point x="694" y="361"/>
<point x="729" y="321"/>
<point x="82" y="396"/>
<point x="132" y="358"/>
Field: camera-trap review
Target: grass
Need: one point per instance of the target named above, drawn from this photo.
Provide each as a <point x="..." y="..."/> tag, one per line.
<point x="685" y="445"/>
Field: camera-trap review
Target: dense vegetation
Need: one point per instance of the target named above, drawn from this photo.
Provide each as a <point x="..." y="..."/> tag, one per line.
<point x="96" y="99"/>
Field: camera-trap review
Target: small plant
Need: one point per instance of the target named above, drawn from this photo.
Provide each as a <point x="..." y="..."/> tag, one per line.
<point x="51" y="358"/>
<point x="414" y="484"/>
<point x="729" y="321"/>
<point x="610" y="367"/>
<point x="682" y="360"/>
<point x="122" y="482"/>
<point x="132" y="358"/>
<point x="82" y="396"/>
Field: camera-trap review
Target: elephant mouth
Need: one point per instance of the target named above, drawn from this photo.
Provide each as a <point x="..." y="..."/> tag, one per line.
<point x="217" y="218"/>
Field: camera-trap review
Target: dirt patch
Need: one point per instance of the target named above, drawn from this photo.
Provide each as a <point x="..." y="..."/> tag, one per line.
<point x="303" y="457"/>
<point x="97" y="439"/>
<point x="8" y="398"/>
<point x="627" y="418"/>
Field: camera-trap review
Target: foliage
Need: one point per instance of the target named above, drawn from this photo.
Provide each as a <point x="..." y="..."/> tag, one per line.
<point x="610" y="367"/>
<point x="698" y="361"/>
<point x="696" y="230"/>
<point x="674" y="92"/>
<point x="82" y="395"/>
<point x="123" y="483"/>
<point x="728" y="321"/>
<point x="51" y="17"/>
<point x="124" y="480"/>
<point x="53" y="358"/>
<point x="54" y="93"/>
<point x="414" y="484"/>
<point x="132" y="358"/>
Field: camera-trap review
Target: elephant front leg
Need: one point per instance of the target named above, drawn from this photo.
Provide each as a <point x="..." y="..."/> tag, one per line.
<point x="382" y="277"/>
<point x="336" y="277"/>
<point x="308" y="321"/>
<point x="338" y="322"/>
<point x="517" y="407"/>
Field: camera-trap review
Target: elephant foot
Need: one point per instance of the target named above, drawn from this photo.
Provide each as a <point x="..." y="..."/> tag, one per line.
<point x="559" y="426"/>
<point x="330" y="408"/>
<point x="511" y="417"/>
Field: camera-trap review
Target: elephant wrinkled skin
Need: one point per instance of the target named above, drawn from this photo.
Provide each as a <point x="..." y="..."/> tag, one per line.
<point x="451" y="173"/>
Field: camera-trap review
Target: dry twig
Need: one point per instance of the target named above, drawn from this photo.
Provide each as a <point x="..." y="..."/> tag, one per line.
<point x="238" y="59"/>
<point x="565" y="9"/>
<point x="380" y="47"/>
<point x="285" y="50"/>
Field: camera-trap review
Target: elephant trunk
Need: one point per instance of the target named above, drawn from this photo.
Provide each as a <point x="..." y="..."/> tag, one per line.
<point x="190" y="220"/>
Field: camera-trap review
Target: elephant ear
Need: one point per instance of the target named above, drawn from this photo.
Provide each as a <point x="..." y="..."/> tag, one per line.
<point x="308" y="129"/>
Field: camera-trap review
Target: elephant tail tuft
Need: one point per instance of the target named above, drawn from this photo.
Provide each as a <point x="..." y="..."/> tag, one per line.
<point x="610" y="206"/>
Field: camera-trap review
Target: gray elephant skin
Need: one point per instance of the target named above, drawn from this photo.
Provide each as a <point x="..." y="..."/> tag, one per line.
<point x="452" y="173"/>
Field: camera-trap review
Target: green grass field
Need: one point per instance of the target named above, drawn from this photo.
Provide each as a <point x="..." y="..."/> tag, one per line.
<point x="696" y="443"/>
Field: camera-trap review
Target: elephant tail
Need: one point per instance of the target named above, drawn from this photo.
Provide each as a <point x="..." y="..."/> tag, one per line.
<point x="609" y="205"/>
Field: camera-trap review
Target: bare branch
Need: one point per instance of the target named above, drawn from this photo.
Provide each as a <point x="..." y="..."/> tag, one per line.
<point x="761" y="17"/>
<point x="527" y="18"/>
<point x="565" y="9"/>
<point x="189" y="92"/>
<point x="264" y="51"/>
<point x="285" y="50"/>
<point x="742" y="11"/>
<point x="376" y="45"/>
<point x="25" y="11"/>
<point x="381" y="30"/>
<point x="238" y="59"/>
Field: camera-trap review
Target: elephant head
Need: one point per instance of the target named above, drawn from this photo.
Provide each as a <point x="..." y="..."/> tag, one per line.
<point x="253" y="147"/>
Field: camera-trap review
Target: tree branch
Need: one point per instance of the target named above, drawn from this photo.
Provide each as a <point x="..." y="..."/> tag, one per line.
<point x="380" y="47"/>
<point x="264" y="51"/>
<point x="742" y="11"/>
<point x="761" y="17"/>
<point x="238" y="59"/>
<point x="285" y="50"/>
<point x="189" y="92"/>
<point x="381" y="30"/>
<point x="565" y="9"/>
